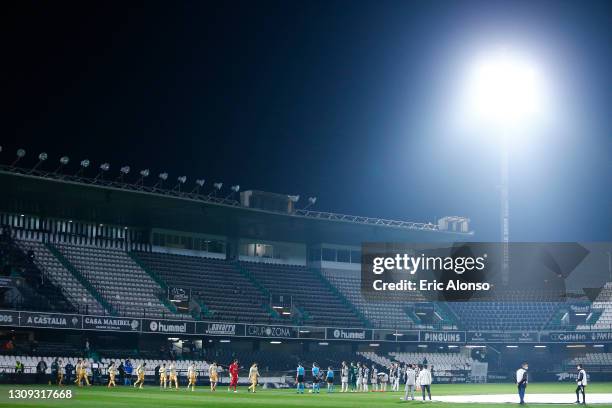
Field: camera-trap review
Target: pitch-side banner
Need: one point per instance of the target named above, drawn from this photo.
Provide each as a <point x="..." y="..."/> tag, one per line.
<point x="9" y="318"/>
<point x="50" y="320"/>
<point x="168" y="326"/>
<point x="502" y="337"/>
<point x="349" y="334"/>
<point x="576" y="337"/>
<point x="442" y="336"/>
<point x="220" y="329"/>
<point x="110" y="323"/>
<point x="271" y="331"/>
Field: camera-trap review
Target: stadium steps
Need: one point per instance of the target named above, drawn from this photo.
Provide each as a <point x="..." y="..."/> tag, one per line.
<point x="82" y="280"/>
<point x="594" y="316"/>
<point x="157" y="279"/>
<point x="39" y="290"/>
<point x="341" y="296"/>
<point x="449" y="318"/>
<point x="262" y="289"/>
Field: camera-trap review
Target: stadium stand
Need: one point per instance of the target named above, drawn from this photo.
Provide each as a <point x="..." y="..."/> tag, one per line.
<point x="78" y="295"/>
<point x="120" y="281"/>
<point x="594" y="361"/>
<point x="225" y="292"/>
<point x="441" y="361"/>
<point x="388" y="312"/>
<point x="504" y="315"/>
<point x="316" y="301"/>
<point x="603" y="305"/>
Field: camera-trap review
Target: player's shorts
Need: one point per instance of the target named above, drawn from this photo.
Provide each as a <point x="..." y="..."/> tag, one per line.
<point x="141" y="377"/>
<point x="253" y="380"/>
<point x="234" y="381"/>
<point x="112" y="377"/>
<point x="192" y="377"/>
<point x="172" y="377"/>
<point x="344" y="379"/>
<point x="214" y="378"/>
<point x="330" y="380"/>
<point x="365" y="381"/>
<point x="315" y="380"/>
<point x="374" y="380"/>
<point x="300" y="378"/>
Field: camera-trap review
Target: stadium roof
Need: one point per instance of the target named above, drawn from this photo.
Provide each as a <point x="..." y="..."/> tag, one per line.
<point x="55" y="195"/>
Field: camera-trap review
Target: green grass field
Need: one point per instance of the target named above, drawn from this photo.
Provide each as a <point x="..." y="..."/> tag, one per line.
<point x="150" y="396"/>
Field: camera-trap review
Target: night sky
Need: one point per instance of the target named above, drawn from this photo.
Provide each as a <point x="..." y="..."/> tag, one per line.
<point x="343" y="100"/>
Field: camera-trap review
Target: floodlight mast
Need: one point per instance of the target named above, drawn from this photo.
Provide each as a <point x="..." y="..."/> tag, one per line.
<point x="504" y="93"/>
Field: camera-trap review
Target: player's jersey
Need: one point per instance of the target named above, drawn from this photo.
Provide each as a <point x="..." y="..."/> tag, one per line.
<point x="330" y="373"/>
<point x="582" y="378"/>
<point x="140" y="370"/>
<point x="344" y="372"/>
<point x="162" y="371"/>
<point x="300" y="371"/>
<point x="253" y="373"/>
<point x="172" y="370"/>
<point x="315" y="372"/>
<point x="366" y="373"/>
<point x="191" y="371"/>
<point x="212" y="371"/>
<point x="112" y="370"/>
<point x="233" y="369"/>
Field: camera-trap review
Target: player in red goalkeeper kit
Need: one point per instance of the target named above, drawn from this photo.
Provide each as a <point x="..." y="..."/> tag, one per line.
<point x="233" y="369"/>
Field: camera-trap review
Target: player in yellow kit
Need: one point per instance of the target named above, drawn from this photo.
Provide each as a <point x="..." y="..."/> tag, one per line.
<point x="60" y="373"/>
<point x="163" y="378"/>
<point x="213" y="374"/>
<point x="81" y="373"/>
<point x="112" y="372"/>
<point x="192" y="375"/>
<point x="140" y="372"/>
<point x="84" y="374"/>
<point x="253" y="377"/>
<point x="173" y="376"/>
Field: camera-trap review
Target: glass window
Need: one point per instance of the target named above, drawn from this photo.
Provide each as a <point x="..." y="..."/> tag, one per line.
<point x="328" y="254"/>
<point x="355" y="256"/>
<point x="344" y="255"/>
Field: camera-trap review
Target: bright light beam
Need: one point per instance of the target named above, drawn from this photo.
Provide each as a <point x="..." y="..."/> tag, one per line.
<point x="503" y="91"/>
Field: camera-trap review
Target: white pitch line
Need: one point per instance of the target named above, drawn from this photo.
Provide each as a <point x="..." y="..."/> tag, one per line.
<point x="529" y="398"/>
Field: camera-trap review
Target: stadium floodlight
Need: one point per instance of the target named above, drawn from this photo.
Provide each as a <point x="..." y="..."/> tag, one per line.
<point x="504" y="88"/>
<point x="503" y="95"/>
<point x="311" y="202"/>
<point x="143" y="173"/>
<point x="41" y="158"/>
<point x="199" y="184"/>
<point x="64" y="160"/>
<point x="216" y="187"/>
<point x="233" y="189"/>
<point x="104" y="167"/>
<point x="180" y="180"/>
<point x="20" y="154"/>
<point x="162" y="177"/>
<point x="123" y="171"/>
<point x="84" y="164"/>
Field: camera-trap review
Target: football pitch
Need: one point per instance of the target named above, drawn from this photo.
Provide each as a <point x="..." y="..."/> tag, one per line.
<point x="151" y="396"/>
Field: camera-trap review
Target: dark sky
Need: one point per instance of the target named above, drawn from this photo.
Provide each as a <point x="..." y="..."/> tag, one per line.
<point x="338" y="99"/>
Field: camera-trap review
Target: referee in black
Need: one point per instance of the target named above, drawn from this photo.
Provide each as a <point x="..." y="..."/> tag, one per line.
<point x="581" y="383"/>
